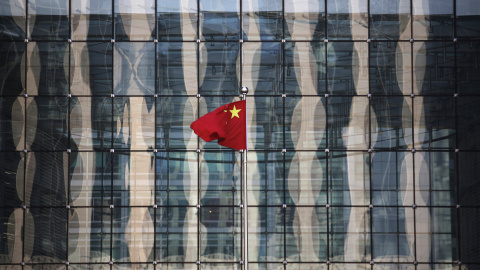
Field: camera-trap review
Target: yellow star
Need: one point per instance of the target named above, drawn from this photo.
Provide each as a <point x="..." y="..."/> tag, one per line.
<point x="235" y="112"/>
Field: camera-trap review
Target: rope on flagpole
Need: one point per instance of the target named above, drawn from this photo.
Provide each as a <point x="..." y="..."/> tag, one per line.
<point x="245" y="208"/>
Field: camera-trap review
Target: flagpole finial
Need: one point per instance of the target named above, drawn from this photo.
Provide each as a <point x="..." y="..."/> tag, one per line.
<point x="244" y="90"/>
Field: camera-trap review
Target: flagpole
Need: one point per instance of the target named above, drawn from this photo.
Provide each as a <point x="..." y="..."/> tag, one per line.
<point x="245" y="208"/>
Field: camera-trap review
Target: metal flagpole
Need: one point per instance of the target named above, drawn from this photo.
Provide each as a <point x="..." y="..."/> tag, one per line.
<point x="245" y="208"/>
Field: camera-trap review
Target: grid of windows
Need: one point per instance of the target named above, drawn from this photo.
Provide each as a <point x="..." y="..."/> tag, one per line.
<point x="363" y="126"/>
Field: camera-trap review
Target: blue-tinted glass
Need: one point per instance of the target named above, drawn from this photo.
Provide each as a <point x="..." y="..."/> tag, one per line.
<point x="305" y="19"/>
<point x="12" y="16"/>
<point x="468" y="19"/>
<point x="468" y="71"/>
<point x="134" y="20"/>
<point x="347" y="19"/>
<point x="48" y="19"/>
<point x="432" y="19"/>
<point x="389" y="19"/>
<point x="91" y="19"/>
<point x="261" y="69"/>
<point x="219" y="20"/>
<point x="177" y="20"/>
<point x="262" y="20"/>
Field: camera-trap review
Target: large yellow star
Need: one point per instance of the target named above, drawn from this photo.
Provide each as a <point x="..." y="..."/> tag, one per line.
<point x="235" y="112"/>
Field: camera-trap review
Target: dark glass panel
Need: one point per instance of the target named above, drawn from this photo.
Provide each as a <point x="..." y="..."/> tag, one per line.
<point x="469" y="173"/>
<point x="174" y="116"/>
<point x="11" y="235"/>
<point x="133" y="234"/>
<point x="47" y="123"/>
<point x="391" y="122"/>
<point x="434" y="68"/>
<point x="468" y="67"/>
<point x="389" y="19"/>
<point x="12" y="76"/>
<point x="265" y="178"/>
<point x="218" y="68"/>
<point x="219" y="20"/>
<point x="305" y="68"/>
<point x="48" y="19"/>
<point x="12" y="124"/>
<point x="390" y="68"/>
<point x="347" y="68"/>
<point x="347" y="19"/>
<point x="262" y="20"/>
<point x="91" y="123"/>
<point x="12" y="174"/>
<point x="12" y="18"/>
<point x="134" y="20"/>
<point x="469" y="239"/>
<point x="468" y="121"/>
<point x="434" y="122"/>
<point x="91" y="70"/>
<point x="432" y="19"/>
<point x="177" y="20"/>
<point x="45" y="239"/>
<point x="92" y="19"/>
<point x="265" y="236"/>
<point x="266" y="130"/>
<point x="261" y="69"/>
<point x="47" y="72"/>
<point x="177" y="68"/>
<point x="305" y="19"/>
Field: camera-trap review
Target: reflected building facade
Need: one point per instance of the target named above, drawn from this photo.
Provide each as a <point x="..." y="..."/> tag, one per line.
<point x="363" y="126"/>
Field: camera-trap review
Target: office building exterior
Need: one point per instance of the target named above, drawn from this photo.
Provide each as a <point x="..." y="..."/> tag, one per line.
<point x="363" y="134"/>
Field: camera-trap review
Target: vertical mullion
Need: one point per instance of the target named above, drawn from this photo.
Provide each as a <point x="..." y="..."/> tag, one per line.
<point x="155" y="153"/>
<point x="198" y="139"/>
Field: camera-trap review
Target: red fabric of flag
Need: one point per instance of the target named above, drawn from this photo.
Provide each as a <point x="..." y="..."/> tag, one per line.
<point x="226" y="123"/>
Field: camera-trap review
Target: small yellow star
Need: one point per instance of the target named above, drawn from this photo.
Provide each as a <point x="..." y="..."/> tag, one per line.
<point x="235" y="112"/>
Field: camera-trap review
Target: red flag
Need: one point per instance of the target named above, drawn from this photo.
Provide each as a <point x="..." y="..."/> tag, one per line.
<point x="226" y="123"/>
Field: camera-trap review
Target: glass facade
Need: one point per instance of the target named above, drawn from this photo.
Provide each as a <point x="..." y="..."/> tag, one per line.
<point x="363" y="126"/>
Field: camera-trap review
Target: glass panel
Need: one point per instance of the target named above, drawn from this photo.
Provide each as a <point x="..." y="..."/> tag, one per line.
<point x="219" y="20"/>
<point x="92" y="19"/>
<point x="262" y="20"/>
<point x="220" y="178"/>
<point x="350" y="234"/>
<point x="470" y="244"/>
<point x="305" y="68"/>
<point x="133" y="179"/>
<point x="468" y="19"/>
<point x="261" y="69"/>
<point x="434" y="68"/>
<point x="435" y="178"/>
<point x="13" y="20"/>
<point x="392" y="178"/>
<point x="174" y="116"/>
<point x="347" y="68"/>
<point x="304" y="19"/>
<point x="11" y="235"/>
<point x="305" y="122"/>
<point x="44" y="240"/>
<point x="133" y="234"/>
<point x="467" y="120"/>
<point x="220" y="236"/>
<point x="265" y="178"/>
<point x="265" y="238"/>
<point x="12" y="165"/>
<point x="393" y="239"/>
<point x="133" y="123"/>
<point x="391" y="122"/>
<point x="390" y="68"/>
<point x="347" y="123"/>
<point x="306" y="178"/>
<point x="90" y="179"/>
<point x="47" y="72"/>
<point x="91" y="68"/>
<point x="177" y="181"/>
<point x="48" y="19"/>
<point x="468" y="71"/>
<point x="468" y="170"/>
<point x="177" y="20"/>
<point x="218" y="68"/>
<point x="47" y="123"/>
<point x="339" y="266"/>
<point x="389" y="19"/>
<point x="432" y="19"/>
<point x="12" y="76"/>
<point x="134" y="69"/>
<point x="89" y="235"/>
<point x="349" y="178"/>
<point x="134" y="20"/>
<point x="306" y="230"/>
<point x="177" y="234"/>
<point x="177" y="68"/>
<point x="347" y="19"/>
<point x="12" y="121"/>
<point x="265" y="131"/>
<point x="434" y="122"/>
<point x="91" y="123"/>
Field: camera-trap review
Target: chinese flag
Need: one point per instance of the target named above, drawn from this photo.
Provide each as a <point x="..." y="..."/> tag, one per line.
<point x="226" y="123"/>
